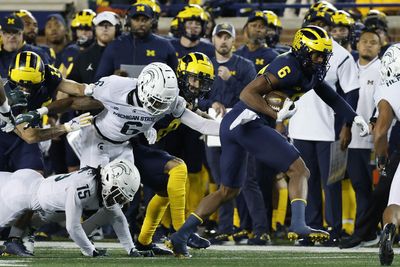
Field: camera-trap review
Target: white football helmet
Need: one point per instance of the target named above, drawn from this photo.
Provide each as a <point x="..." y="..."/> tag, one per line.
<point x="390" y="63"/>
<point x="120" y="181"/>
<point x="157" y="87"/>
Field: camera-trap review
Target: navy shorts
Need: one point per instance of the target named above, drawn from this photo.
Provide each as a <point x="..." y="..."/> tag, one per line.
<point x="151" y="164"/>
<point x="256" y="138"/>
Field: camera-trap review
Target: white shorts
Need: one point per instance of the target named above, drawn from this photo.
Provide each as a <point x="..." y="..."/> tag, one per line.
<point x="394" y="196"/>
<point x="18" y="194"/>
<point x="98" y="151"/>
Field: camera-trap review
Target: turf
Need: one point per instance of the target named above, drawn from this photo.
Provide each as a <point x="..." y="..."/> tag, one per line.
<point x="235" y="256"/>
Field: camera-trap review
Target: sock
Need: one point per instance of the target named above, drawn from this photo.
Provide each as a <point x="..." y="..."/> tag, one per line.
<point x="348" y="206"/>
<point x="176" y="193"/>
<point x="195" y="193"/>
<point x="154" y="212"/>
<point x="166" y="219"/>
<point x="282" y="206"/>
<point x="189" y="227"/>
<point x="298" y="208"/>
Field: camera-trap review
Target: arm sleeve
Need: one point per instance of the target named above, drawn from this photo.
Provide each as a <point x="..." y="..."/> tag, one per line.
<point x="73" y="213"/>
<point x="117" y="219"/>
<point x="335" y="101"/>
<point x="200" y="124"/>
<point x="352" y="98"/>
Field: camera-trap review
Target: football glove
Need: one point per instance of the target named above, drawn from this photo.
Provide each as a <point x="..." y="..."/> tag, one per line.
<point x="17" y="98"/>
<point x="98" y="252"/>
<point x="151" y="135"/>
<point x="32" y="118"/>
<point x="78" y="122"/>
<point x="8" y="120"/>
<point x="288" y="110"/>
<point x="362" y="124"/>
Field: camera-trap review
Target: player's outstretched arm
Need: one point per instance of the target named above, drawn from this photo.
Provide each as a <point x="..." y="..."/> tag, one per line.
<point x="73" y="88"/>
<point x="34" y="135"/>
<point x="200" y="124"/>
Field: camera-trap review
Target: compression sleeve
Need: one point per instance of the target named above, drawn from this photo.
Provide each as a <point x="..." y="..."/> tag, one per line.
<point x="200" y="124"/>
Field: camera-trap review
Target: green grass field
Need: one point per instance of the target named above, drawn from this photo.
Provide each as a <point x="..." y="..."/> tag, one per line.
<point x="67" y="255"/>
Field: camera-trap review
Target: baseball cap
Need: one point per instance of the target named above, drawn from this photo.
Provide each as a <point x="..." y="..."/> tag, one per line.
<point x="141" y="9"/>
<point x="106" y="16"/>
<point x="11" y="23"/>
<point x="224" y="27"/>
<point x="58" y="17"/>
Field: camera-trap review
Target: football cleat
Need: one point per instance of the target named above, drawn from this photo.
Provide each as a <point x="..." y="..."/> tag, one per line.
<point x="240" y="236"/>
<point x="259" y="240"/>
<point x="154" y="248"/>
<point x="196" y="241"/>
<point x="313" y="235"/>
<point x="221" y="239"/>
<point x="386" y="254"/>
<point x="14" y="246"/>
<point x="179" y="248"/>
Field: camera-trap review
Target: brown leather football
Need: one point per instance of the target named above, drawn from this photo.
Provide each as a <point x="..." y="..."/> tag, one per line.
<point x="275" y="99"/>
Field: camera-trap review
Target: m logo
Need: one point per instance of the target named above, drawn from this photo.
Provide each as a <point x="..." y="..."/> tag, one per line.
<point x="369" y="82"/>
<point x="259" y="61"/>
<point x="259" y="14"/>
<point x="233" y="72"/>
<point x="150" y="53"/>
<point x="139" y="8"/>
<point x="11" y="21"/>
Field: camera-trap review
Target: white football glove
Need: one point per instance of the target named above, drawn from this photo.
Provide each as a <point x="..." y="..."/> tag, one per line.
<point x="78" y="122"/>
<point x="151" y="136"/>
<point x="362" y="124"/>
<point x="8" y="120"/>
<point x="288" y="110"/>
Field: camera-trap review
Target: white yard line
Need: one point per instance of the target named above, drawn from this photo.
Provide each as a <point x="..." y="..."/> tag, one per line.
<point x="110" y="245"/>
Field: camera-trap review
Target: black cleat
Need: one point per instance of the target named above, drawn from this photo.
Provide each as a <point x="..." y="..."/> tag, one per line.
<point x="352" y="241"/>
<point x="259" y="240"/>
<point x="14" y="246"/>
<point x="386" y="254"/>
<point x="154" y="248"/>
<point x="196" y="241"/>
<point x="313" y="235"/>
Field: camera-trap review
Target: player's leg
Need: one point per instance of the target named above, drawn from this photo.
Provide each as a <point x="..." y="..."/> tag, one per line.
<point x="391" y="219"/>
<point x="273" y="149"/>
<point x="16" y="197"/>
<point x="233" y="165"/>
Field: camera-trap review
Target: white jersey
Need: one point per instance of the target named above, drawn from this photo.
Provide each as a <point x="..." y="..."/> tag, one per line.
<point x="123" y="115"/>
<point x="314" y="119"/>
<point x="369" y="80"/>
<point x="71" y="194"/>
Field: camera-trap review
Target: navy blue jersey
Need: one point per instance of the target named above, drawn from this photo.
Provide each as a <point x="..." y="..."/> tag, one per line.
<point x="7" y="57"/>
<point x="227" y="92"/>
<point x="129" y="50"/>
<point x="68" y="57"/>
<point x="260" y="57"/>
<point x="202" y="47"/>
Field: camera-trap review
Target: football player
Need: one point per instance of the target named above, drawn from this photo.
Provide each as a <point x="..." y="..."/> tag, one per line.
<point x="388" y="105"/>
<point x="104" y="190"/>
<point x="243" y="130"/>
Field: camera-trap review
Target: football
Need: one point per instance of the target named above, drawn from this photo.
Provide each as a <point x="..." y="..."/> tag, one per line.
<point x="275" y="99"/>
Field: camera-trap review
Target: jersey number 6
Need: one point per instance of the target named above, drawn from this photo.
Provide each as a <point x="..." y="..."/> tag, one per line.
<point x="284" y="71"/>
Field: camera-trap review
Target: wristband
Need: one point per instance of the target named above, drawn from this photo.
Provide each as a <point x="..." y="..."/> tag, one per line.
<point x="5" y="107"/>
<point x="42" y="111"/>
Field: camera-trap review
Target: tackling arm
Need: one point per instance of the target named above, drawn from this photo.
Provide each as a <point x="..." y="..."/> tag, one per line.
<point x="200" y="124"/>
<point x="73" y="88"/>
